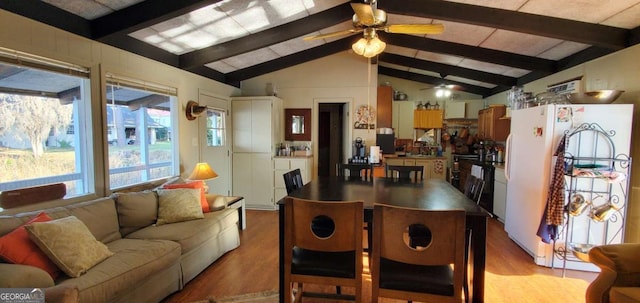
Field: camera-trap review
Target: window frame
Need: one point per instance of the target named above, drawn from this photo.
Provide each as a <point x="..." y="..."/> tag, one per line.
<point x="145" y="166"/>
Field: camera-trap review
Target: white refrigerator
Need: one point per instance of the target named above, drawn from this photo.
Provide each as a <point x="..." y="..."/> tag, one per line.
<point x="535" y="134"/>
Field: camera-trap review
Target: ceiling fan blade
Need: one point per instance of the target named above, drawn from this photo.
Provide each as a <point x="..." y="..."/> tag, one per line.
<point x="333" y="34"/>
<point x="430" y="29"/>
<point x="365" y="13"/>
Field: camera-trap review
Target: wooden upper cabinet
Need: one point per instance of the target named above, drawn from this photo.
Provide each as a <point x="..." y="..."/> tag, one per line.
<point x="384" y="110"/>
<point x="427" y="118"/>
<point x="490" y="126"/>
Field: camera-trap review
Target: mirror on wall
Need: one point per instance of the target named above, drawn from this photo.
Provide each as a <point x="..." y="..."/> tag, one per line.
<point x="297" y="124"/>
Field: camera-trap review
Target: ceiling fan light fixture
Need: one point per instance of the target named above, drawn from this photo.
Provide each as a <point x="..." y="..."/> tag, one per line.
<point x="442" y="92"/>
<point x="369" y="46"/>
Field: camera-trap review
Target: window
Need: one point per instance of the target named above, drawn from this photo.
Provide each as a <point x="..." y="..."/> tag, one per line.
<point x="215" y="127"/>
<point x="141" y="130"/>
<point x="44" y="124"/>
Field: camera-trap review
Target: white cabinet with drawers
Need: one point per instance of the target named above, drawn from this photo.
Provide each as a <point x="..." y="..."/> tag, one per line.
<point x="287" y="164"/>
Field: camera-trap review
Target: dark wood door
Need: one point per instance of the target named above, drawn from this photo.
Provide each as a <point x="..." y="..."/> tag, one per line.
<point x="330" y="126"/>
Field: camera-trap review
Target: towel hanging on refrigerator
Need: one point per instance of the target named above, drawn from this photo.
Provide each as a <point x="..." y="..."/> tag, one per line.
<point x="554" y="211"/>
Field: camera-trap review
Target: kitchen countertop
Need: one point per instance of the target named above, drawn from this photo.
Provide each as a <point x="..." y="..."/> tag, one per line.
<point x="293" y="157"/>
<point x="416" y="157"/>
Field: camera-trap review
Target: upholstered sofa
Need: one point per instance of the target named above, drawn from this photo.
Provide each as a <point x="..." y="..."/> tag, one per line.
<point x="146" y="260"/>
<point x="619" y="277"/>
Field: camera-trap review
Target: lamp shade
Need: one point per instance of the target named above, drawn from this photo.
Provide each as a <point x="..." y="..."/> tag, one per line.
<point x="203" y="171"/>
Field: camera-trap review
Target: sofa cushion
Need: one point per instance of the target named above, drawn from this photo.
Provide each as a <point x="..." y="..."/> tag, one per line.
<point x="69" y="244"/>
<point x="99" y="216"/>
<point x="177" y="205"/>
<point x="624" y="295"/>
<point x="190" y="234"/>
<point x="133" y="261"/>
<point x="136" y="210"/>
<point x="195" y="185"/>
<point x="16" y="247"/>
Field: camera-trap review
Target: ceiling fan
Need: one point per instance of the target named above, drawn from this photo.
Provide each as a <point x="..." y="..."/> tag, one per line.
<point x="369" y="19"/>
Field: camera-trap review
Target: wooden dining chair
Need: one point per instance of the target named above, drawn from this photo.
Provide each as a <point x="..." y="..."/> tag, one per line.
<point x="431" y="271"/>
<point x="293" y="180"/>
<point x="403" y="172"/>
<point x="473" y="188"/>
<point x="356" y="171"/>
<point x="323" y="245"/>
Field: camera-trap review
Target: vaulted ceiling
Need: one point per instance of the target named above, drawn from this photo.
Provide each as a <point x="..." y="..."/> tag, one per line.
<point x="487" y="45"/>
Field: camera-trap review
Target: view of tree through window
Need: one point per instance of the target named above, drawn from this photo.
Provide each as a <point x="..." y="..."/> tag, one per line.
<point x="43" y="129"/>
<point x="140" y="134"/>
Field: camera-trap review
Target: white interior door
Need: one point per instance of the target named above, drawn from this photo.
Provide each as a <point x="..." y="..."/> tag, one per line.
<point x="216" y="152"/>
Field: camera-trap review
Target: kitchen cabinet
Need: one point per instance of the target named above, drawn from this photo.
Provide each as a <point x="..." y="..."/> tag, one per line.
<point x="283" y="165"/>
<point x="384" y="110"/>
<point x="500" y="195"/>
<point x="403" y="119"/>
<point x="433" y="168"/>
<point x="455" y="110"/>
<point x="427" y="118"/>
<point x="490" y="126"/>
<point x="257" y="128"/>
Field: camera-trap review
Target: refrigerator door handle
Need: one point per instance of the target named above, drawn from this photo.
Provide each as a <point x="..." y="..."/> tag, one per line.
<point x="507" y="168"/>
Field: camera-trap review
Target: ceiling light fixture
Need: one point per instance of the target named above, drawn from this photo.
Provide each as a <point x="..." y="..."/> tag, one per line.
<point x="369" y="46"/>
<point x="443" y="92"/>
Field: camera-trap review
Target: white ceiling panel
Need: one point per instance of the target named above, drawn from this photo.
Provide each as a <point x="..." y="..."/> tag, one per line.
<point x="627" y="19"/>
<point x="424" y="72"/>
<point x="294" y="45"/>
<point x="502" y="4"/>
<point x="563" y="50"/>
<point x="483" y="66"/>
<point x="516" y="72"/>
<point x="519" y="43"/>
<point x="440" y="58"/>
<point x="251" y="58"/>
<point x="221" y="67"/>
<point x="593" y="11"/>
<point x="402" y="51"/>
<point x="463" y="33"/>
<point x="118" y="4"/>
<point x="87" y="9"/>
<point x="316" y="6"/>
<point x="256" y="16"/>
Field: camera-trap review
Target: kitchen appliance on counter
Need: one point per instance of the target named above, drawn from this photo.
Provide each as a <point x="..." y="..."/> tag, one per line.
<point x="535" y="134"/>
<point x="358" y="152"/>
<point x="386" y="143"/>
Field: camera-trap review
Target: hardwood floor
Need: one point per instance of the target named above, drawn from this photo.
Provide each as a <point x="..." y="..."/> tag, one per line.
<point x="511" y="275"/>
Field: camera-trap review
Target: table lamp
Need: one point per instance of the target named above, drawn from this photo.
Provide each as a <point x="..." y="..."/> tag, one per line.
<point x="203" y="172"/>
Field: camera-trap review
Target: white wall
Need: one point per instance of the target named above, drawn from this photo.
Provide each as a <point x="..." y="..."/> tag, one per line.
<point x="338" y="78"/>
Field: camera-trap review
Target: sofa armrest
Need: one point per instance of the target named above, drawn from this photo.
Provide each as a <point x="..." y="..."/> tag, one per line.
<point x="62" y="294"/>
<point x="23" y="276"/>
<point x="619" y="266"/>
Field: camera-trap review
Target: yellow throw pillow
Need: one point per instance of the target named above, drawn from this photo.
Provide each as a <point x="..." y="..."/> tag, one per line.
<point x="177" y="205"/>
<point x="69" y="244"/>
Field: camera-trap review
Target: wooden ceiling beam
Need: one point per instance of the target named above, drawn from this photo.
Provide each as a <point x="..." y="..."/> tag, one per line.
<point x="474" y="89"/>
<point x="471" y="52"/>
<point x="448" y="69"/>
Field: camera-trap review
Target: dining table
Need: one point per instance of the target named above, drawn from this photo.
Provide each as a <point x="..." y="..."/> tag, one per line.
<point x="428" y="194"/>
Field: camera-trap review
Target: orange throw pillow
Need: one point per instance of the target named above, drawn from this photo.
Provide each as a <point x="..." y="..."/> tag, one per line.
<point x="16" y="247"/>
<point x="196" y="185"/>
